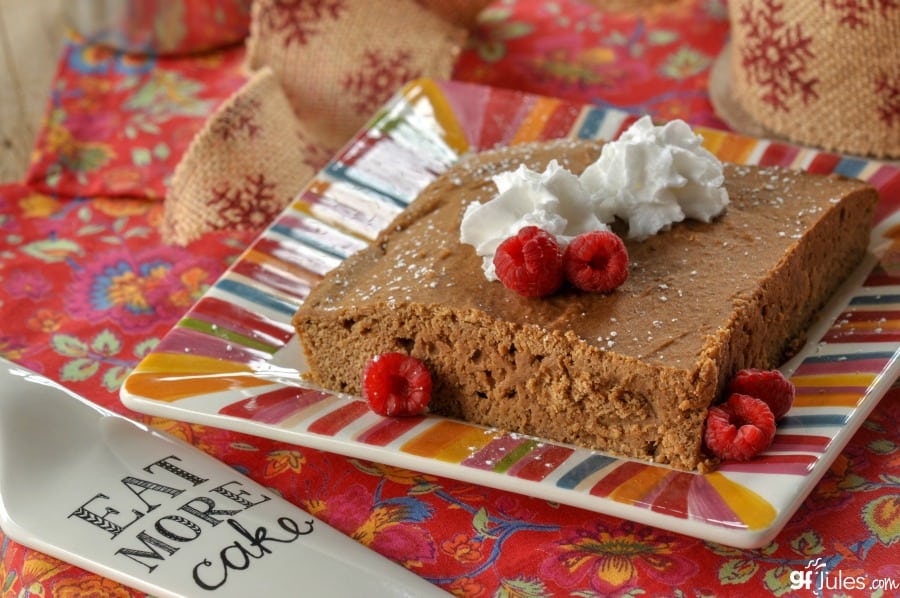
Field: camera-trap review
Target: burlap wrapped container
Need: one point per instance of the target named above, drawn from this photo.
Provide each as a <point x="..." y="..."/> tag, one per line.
<point x="339" y="61"/>
<point x="824" y="73"/>
<point x="319" y="72"/>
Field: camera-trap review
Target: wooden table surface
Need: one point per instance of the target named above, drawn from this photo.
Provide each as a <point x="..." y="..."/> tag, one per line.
<point x="32" y="33"/>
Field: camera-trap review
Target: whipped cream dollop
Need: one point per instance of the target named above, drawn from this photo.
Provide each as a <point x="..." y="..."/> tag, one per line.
<point x="553" y="200"/>
<point x="654" y="176"/>
<point x="651" y="177"/>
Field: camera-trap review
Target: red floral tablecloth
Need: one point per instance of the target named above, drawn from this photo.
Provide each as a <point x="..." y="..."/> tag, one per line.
<point x="89" y="288"/>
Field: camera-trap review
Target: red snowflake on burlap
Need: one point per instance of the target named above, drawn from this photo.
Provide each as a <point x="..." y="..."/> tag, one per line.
<point x="237" y="119"/>
<point x="314" y="155"/>
<point x="857" y="13"/>
<point x="887" y="89"/>
<point x="247" y="206"/>
<point x="377" y="78"/>
<point x="295" y="21"/>
<point x="776" y="55"/>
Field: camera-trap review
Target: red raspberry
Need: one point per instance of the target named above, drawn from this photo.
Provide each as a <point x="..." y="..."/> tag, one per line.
<point x="767" y="385"/>
<point x="596" y="261"/>
<point x="739" y="429"/>
<point x="530" y="263"/>
<point x="396" y="384"/>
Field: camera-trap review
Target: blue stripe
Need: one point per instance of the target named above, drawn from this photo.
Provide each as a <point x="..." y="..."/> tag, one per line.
<point x="577" y="474"/>
<point x="592" y="123"/>
<point x="886" y="355"/>
<point x="875" y="299"/>
<point x="257" y="296"/>
<point x="341" y="172"/>
<point x="833" y="420"/>
<point x="307" y="240"/>
<point x="850" y="166"/>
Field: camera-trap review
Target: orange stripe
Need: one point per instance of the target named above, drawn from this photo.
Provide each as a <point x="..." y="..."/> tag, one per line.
<point x="265" y="259"/>
<point x="449" y="440"/>
<point x="868" y="325"/>
<point x="837" y="399"/>
<point x="636" y="488"/>
<point x="168" y="389"/>
<point x="318" y="186"/>
<point x="532" y="125"/>
<point x="170" y="377"/>
<point x="736" y="149"/>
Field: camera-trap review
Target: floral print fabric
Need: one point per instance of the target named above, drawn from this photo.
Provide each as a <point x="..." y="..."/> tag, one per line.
<point x="117" y="124"/>
<point x="89" y="288"/>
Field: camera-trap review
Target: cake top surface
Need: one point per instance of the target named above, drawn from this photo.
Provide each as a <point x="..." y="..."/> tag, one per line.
<point x="684" y="283"/>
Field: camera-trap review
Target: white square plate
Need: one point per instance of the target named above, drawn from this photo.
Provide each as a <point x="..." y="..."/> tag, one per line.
<point x="233" y="361"/>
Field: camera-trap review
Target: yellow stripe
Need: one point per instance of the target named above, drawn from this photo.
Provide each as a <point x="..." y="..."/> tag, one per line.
<point x="317" y="187"/>
<point x="188" y="363"/>
<point x="531" y="127"/>
<point x="750" y="507"/>
<point x="428" y="90"/>
<point x="316" y="212"/>
<point x="712" y="139"/>
<point x="830" y="380"/>
<point x="302" y="206"/>
<point x="449" y="440"/>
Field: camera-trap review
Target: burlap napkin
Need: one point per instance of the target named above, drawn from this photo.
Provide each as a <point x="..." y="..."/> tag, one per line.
<point x="243" y="167"/>
<point x="320" y="70"/>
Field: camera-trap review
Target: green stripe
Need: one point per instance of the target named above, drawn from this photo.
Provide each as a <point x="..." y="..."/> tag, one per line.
<point x="224" y="333"/>
<point x="514" y="455"/>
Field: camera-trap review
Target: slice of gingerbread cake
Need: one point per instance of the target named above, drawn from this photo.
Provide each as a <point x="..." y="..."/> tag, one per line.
<point x="730" y="284"/>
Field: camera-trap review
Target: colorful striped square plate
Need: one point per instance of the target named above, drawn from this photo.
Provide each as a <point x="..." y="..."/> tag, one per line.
<point x="233" y="361"/>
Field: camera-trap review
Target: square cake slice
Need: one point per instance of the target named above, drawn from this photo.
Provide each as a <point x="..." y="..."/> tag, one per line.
<point x="632" y="372"/>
